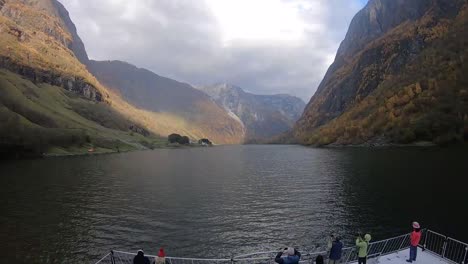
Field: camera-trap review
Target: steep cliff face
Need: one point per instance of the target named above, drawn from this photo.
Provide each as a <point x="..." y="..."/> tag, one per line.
<point x="397" y="76"/>
<point x="152" y="92"/>
<point x="39" y="41"/>
<point x="263" y="116"/>
<point x="76" y="45"/>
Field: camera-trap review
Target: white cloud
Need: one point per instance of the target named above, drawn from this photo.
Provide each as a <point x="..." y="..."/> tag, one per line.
<point x="260" y="20"/>
<point x="265" y="46"/>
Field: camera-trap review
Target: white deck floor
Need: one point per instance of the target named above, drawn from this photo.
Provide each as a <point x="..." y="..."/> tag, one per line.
<point x="401" y="257"/>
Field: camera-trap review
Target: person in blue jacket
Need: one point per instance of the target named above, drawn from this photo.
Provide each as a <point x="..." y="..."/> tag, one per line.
<point x="336" y="248"/>
<point x="291" y="256"/>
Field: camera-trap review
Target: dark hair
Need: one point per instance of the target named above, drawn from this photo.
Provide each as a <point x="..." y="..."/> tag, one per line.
<point x="319" y="259"/>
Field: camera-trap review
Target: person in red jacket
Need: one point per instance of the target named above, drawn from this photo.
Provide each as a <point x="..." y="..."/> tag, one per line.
<point x="415" y="237"/>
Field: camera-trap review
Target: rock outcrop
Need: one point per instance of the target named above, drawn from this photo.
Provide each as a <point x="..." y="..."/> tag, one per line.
<point x="73" y="84"/>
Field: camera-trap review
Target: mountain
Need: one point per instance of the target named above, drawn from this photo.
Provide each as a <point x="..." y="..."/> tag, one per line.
<point x="50" y="102"/>
<point x="155" y="93"/>
<point x="263" y="116"/>
<point x="399" y="76"/>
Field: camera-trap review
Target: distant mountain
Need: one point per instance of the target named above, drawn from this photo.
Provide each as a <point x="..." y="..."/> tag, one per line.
<point x="399" y="76"/>
<point x="263" y="116"/>
<point x="155" y="93"/>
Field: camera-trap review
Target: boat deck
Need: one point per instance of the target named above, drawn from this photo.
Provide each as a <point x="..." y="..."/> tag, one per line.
<point x="439" y="249"/>
<point x="424" y="257"/>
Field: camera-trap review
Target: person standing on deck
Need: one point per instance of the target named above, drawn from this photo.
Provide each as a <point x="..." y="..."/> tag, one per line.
<point x="161" y="258"/>
<point x="415" y="237"/>
<point x="140" y="258"/>
<point x="362" y="245"/>
<point x="335" y="246"/>
<point x="292" y="256"/>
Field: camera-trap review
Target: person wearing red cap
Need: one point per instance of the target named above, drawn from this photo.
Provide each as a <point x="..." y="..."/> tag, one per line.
<point x="161" y="258"/>
<point x="415" y="237"/>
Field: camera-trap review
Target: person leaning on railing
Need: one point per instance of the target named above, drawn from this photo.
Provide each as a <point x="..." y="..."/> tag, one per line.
<point x="292" y="256"/>
<point x="362" y="246"/>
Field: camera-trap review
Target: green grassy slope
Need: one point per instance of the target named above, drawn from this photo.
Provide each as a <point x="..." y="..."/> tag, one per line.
<point x="39" y="42"/>
<point x="40" y="118"/>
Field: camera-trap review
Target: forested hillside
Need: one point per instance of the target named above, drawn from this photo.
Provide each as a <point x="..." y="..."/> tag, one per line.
<point x="398" y="77"/>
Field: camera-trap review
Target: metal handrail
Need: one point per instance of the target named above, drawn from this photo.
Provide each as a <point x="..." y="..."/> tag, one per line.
<point x="176" y="258"/>
<point x="103" y="258"/>
<point x="453" y="251"/>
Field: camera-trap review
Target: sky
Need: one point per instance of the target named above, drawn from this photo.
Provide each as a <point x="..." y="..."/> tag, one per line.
<point x="263" y="46"/>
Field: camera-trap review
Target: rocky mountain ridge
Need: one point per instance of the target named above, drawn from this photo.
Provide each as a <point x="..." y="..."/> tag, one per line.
<point x="155" y="93"/>
<point x="263" y="116"/>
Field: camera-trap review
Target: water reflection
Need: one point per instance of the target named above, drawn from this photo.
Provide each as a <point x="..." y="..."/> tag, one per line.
<point x="212" y="202"/>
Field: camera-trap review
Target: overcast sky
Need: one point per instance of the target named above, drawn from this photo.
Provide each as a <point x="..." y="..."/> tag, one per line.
<point x="263" y="46"/>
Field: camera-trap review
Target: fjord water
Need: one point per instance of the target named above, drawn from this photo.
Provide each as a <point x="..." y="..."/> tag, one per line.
<point x="223" y="201"/>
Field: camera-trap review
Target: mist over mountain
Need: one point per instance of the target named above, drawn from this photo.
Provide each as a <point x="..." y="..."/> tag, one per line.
<point x="263" y="116"/>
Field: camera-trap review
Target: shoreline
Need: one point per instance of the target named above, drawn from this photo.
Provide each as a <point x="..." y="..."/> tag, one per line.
<point x="108" y="151"/>
<point x="382" y="145"/>
<point x="100" y="151"/>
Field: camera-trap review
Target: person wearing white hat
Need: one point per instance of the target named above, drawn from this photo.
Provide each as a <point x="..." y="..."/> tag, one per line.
<point x="415" y="237"/>
<point x="288" y="256"/>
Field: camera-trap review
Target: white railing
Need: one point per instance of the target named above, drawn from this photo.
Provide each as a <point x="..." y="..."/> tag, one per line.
<point x="450" y="249"/>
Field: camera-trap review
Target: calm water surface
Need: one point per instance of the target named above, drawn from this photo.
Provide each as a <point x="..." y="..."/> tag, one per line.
<point x="214" y="202"/>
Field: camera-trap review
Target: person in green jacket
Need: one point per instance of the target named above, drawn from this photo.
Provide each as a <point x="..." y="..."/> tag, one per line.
<point x="362" y="246"/>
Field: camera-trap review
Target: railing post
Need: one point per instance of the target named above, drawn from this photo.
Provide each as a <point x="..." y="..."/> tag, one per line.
<point x="349" y="255"/>
<point x="425" y="239"/>
<point x="444" y="247"/>
<point x="112" y="257"/>
<point x="464" y="258"/>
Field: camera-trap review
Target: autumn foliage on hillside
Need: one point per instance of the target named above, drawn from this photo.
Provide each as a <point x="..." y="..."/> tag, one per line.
<point x="409" y="85"/>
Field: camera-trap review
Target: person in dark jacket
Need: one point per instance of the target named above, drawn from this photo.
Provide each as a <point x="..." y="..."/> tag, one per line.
<point x="291" y="256"/>
<point x="335" y="251"/>
<point x="140" y="258"/>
